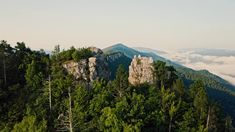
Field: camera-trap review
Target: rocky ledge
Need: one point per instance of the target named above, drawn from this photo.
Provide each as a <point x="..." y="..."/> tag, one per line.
<point x="90" y="69"/>
<point x="141" y="70"/>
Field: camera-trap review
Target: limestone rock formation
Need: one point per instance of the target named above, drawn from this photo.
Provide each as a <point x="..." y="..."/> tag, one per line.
<point x="89" y="69"/>
<point x="98" y="68"/>
<point x="78" y="69"/>
<point x="141" y="70"/>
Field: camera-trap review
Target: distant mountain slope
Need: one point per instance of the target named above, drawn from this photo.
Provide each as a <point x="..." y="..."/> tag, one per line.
<point x="185" y="72"/>
<point x="143" y="49"/>
<point x="115" y="59"/>
<point x="217" y="88"/>
<point x="129" y="52"/>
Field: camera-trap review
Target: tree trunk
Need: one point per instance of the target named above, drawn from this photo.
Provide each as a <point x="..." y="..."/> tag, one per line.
<point x="49" y="92"/>
<point x="208" y="119"/>
<point x="200" y="117"/>
<point x="70" y="113"/>
<point x="170" y="125"/>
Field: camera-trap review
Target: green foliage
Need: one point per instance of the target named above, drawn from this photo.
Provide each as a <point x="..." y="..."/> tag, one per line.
<point x="163" y="75"/>
<point x="188" y="122"/>
<point x="121" y="82"/>
<point x="25" y="70"/>
<point x="109" y="120"/>
<point x="115" y="105"/>
<point x="200" y="101"/>
<point x="82" y="53"/>
<point x="29" y="124"/>
<point x="179" y="88"/>
<point x="71" y="54"/>
<point x="138" y="61"/>
<point x="217" y="88"/>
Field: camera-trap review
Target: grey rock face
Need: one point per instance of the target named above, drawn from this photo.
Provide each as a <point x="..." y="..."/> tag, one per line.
<point x="89" y="69"/>
<point x="98" y="68"/>
<point x="141" y="70"/>
<point x="92" y="68"/>
<point x="78" y="69"/>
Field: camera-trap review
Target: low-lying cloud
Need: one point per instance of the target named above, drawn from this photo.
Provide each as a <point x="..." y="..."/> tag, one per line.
<point x="222" y="66"/>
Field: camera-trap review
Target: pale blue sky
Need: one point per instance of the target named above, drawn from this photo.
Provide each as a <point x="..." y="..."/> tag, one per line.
<point x="165" y="24"/>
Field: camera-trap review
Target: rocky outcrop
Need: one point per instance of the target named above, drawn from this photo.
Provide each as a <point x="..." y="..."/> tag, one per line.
<point x="141" y="70"/>
<point x="98" y="68"/>
<point x="89" y="69"/>
<point x="78" y="69"/>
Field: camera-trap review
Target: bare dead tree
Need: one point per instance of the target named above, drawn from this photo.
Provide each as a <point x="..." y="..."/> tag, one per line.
<point x="49" y="89"/>
<point x="70" y="112"/>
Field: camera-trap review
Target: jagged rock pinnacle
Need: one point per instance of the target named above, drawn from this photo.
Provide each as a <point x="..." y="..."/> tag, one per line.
<point x="141" y="70"/>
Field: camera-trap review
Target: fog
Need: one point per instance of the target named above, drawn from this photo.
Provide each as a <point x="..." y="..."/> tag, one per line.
<point x="221" y="65"/>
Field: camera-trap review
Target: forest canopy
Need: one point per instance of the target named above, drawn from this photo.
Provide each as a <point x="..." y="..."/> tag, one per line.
<point x="37" y="94"/>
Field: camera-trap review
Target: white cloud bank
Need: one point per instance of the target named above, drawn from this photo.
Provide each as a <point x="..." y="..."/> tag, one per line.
<point x="223" y="66"/>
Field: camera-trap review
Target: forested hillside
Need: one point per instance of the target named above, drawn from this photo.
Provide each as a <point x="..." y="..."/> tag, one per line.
<point x="38" y="94"/>
<point x="217" y="88"/>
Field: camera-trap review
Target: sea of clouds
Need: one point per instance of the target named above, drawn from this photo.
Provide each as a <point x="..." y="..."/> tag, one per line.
<point x="219" y="62"/>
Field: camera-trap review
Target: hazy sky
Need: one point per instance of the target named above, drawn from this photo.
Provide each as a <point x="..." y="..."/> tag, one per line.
<point x="165" y="24"/>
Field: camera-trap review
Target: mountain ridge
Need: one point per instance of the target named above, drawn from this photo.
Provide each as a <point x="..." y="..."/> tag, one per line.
<point x="217" y="88"/>
<point x="130" y="52"/>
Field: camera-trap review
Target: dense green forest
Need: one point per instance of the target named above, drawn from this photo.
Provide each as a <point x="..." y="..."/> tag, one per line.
<point x="37" y="94"/>
<point x="217" y="88"/>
